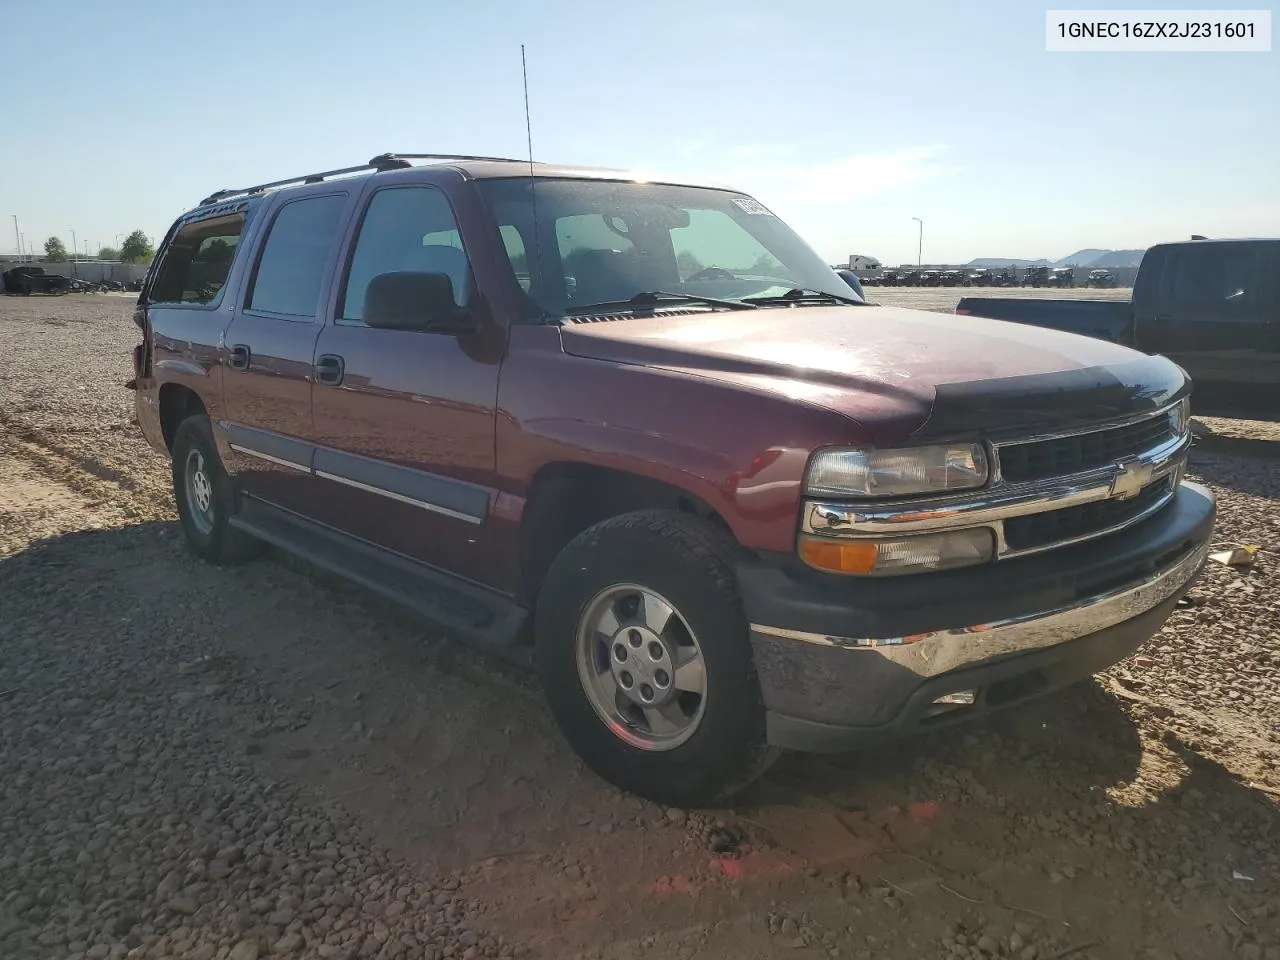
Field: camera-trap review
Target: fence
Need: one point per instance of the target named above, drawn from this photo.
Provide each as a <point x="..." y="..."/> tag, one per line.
<point x="91" y="270"/>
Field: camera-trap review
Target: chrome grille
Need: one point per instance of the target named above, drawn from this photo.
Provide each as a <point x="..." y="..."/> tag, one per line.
<point x="1056" y="527"/>
<point x="1063" y="456"/>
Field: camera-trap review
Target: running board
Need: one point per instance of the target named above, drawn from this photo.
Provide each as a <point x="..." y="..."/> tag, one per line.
<point x="475" y="615"/>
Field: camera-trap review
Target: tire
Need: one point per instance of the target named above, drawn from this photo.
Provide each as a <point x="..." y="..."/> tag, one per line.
<point x="207" y="528"/>
<point x="687" y="564"/>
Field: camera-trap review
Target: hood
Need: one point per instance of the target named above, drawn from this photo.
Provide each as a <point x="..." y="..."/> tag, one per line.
<point x="902" y="374"/>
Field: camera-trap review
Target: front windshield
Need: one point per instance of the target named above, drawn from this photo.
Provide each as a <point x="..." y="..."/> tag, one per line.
<point x="604" y="242"/>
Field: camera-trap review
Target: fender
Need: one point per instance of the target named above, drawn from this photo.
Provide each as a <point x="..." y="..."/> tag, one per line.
<point x="739" y="449"/>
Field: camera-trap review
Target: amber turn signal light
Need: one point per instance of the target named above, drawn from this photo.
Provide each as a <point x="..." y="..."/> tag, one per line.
<point x="918" y="553"/>
<point x="854" y="556"/>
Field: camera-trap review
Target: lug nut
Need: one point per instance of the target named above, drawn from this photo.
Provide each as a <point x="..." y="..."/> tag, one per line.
<point x="646" y="692"/>
<point x="660" y="678"/>
<point x="620" y="653"/>
<point x="633" y="638"/>
<point x="625" y="680"/>
<point x="655" y="651"/>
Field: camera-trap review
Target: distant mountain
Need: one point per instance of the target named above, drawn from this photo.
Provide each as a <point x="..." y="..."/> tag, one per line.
<point x="1004" y="262"/>
<point x="1089" y="257"/>
<point x="1081" y="258"/>
<point x="1119" y="258"/>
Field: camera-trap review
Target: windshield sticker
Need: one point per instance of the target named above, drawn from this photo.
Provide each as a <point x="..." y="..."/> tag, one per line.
<point x="748" y="205"/>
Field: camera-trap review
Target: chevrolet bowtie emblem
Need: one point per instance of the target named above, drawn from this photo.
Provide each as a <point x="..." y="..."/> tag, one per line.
<point x="1130" y="478"/>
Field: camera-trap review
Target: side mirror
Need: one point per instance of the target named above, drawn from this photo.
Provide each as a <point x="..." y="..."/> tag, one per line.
<point x="414" y="301"/>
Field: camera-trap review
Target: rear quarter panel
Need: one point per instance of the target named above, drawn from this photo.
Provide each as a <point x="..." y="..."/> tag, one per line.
<point x="187" y="339"/>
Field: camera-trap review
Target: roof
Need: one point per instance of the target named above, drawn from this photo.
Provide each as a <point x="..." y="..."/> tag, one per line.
<point x="493" y="170"/>
<point x="1189" y="243"/>
<point x="476" y="168"/>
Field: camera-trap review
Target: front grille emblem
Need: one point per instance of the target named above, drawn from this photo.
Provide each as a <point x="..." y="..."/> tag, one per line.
<point x="1131" y="477"/>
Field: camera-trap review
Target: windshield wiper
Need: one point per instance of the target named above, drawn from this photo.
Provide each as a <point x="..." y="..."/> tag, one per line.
<point x="653" y="298"/>
<point x="798" y="294"/>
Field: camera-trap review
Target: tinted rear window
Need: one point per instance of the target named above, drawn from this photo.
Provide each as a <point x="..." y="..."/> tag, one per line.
<point x="291" y="269"/>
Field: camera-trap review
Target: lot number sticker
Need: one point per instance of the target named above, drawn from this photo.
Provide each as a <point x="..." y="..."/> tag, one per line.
<point x="747" y="205"/>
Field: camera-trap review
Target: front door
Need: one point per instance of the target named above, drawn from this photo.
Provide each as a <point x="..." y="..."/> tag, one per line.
<point x="404" y="420"/>
<point x="269" y="345"/>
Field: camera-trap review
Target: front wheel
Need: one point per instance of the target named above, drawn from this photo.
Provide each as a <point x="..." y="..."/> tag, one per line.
<point x="644" y="653"/>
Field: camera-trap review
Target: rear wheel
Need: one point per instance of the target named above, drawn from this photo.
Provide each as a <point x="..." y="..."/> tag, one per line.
<point x="644" y="653"/>
<point x="205" y="497"/>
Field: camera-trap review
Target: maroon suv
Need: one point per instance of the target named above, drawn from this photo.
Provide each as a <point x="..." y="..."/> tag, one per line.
<point x="640" y="434"/>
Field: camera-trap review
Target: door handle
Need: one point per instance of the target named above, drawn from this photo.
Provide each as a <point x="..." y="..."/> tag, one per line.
<point x="329" y="369"/>
<point x="240" y="357"/>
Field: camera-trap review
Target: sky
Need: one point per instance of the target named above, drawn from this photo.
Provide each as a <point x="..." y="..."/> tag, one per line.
<point x="846" y="119"/>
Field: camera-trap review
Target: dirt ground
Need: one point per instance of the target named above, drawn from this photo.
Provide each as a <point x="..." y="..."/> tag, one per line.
<point x="944" y="299"/>
<point x="227" y="764"/>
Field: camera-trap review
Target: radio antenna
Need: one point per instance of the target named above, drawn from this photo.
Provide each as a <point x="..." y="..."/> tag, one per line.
<point x="533" y="181"/>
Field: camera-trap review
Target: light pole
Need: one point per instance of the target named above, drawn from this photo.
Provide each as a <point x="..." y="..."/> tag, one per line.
<point x="920" y="243"/>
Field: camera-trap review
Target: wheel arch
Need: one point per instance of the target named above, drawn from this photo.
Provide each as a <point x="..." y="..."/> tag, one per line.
<point x="566" y="497"/>
<point x="177" y="402"/>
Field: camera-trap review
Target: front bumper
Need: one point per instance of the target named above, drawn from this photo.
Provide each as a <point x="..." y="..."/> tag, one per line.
<point x="844" y="662"/>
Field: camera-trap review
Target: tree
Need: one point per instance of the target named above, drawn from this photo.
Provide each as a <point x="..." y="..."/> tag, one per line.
<point x="55" y="251"/>
<point x="766" y="266"/>
<point x="108" y="253"/>
<point x="218" y="252"/>
<point x="136" y="248"/>
<point x="687" y="264"/>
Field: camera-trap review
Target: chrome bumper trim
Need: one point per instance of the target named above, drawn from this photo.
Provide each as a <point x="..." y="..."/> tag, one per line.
<point x="1115" y="481"/>
<point x="941" y="651"/>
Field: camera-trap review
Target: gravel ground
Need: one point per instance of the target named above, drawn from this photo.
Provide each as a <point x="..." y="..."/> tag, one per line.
<point x="255" y="762"/>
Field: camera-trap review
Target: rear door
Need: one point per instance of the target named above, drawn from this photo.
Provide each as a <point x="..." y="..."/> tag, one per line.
<point x="268" y="347"/>
<point x="1213" y="311"/>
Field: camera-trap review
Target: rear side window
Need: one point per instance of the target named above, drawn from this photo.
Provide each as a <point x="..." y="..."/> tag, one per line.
<point x="197" y="261"/>
<point x="291" y="268"/>
<point x="1215" y="274"/>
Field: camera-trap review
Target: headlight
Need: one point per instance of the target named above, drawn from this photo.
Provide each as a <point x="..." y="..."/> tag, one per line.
<point x="897" y="473"/>
<point x="1180" y="417"/>
<point x="917" y="554"/>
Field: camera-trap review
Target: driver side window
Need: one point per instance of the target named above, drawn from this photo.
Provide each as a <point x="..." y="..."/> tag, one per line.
<point x="406" y="230"/>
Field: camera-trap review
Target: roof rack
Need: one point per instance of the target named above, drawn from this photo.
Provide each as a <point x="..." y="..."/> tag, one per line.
<point x="380" y="163"/>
